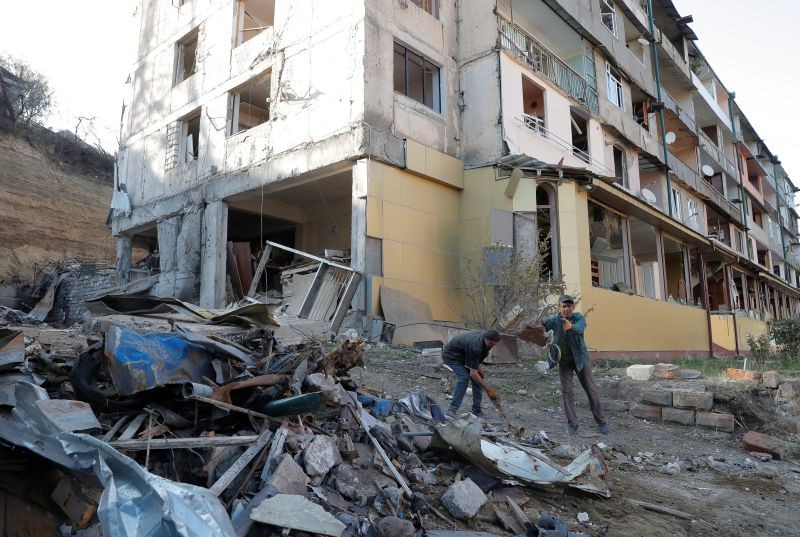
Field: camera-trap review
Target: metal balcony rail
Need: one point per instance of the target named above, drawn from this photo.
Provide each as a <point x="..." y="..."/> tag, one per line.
<point x="693" y="180"/>
<point x="672" y="104"/>
<point x="716" y="153"/>
<point x="537" y="125"/>
<point x="542" y="60"/>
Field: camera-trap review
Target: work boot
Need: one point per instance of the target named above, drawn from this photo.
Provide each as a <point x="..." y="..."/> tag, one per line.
<point x="603" y="428"/>
<point x="572" y="428"/>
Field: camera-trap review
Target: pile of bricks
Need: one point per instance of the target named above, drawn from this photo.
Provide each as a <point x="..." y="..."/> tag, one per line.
<point x="687" y="406"/>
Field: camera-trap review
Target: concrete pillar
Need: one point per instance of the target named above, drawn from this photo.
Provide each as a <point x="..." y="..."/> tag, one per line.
<point x="213" y="254"/>
<point x="573" y="236"/>
<point x="124" y="251"/>
<point x="168" y="255"/>
<point x="358" y="231"/>
<point x="190" y="237"/>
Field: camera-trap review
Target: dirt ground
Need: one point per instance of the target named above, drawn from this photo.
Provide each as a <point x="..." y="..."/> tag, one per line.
<point x="723" y="489"/>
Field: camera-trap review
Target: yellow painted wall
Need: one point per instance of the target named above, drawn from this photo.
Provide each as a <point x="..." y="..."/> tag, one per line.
<point x="621" y="322"/>
<point x="723" y="333"/>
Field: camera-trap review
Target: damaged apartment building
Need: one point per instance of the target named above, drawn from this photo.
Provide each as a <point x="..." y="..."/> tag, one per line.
<point x="407" y="134"/>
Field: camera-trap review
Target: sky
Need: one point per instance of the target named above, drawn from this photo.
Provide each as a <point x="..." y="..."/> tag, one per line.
<point x="86" y="48"/>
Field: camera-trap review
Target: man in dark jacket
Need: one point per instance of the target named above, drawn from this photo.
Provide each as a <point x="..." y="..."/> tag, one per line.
<point x="569" y="352"/>
<point x="464" y="354"/>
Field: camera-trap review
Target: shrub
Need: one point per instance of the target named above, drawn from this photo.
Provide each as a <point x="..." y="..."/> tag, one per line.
<point x="786" y="334"/>
<point x="760" y="347"/>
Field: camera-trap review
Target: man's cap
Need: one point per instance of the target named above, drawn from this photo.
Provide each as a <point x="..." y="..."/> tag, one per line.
<point x="566" y="298"/>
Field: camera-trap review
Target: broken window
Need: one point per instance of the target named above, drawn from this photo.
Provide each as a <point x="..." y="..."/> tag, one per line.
<point x="757" y="217"/>
<point x="589" y="70"/>
<point x="739" y="241"/>
<point x="546" y="230"/>
<point x="692" y="215"/>
<point x="695" y="288"/>
<point x="614" y="87"/>
<point x="431" y="6"/>
<point x="675" y="197"/>
<point x="186" y="57"/>
<point x="533" y="106"/>
<point x="580" y="135"/>
<point x="189" y="146"/>
<point x="608" y="14"/>
<point x="249" y="104"/>
<point x="675" y="271"/>
<point x="621" y="166"/>
<point x="645" y="258"/>
<point x="254" y="16"/>
<point x="416" y="77"/>
<point x="641" y="113"/>
<point x="608" y="248"/>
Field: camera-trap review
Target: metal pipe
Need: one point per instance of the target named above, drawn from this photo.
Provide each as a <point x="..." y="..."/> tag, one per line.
<point x="661" y="122"/>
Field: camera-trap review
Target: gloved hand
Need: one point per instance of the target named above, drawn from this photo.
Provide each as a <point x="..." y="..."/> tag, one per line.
<point x="492" y="394"/>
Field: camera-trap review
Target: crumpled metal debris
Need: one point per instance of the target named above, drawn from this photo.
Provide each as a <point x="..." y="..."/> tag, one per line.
<point x="12" y="348"/>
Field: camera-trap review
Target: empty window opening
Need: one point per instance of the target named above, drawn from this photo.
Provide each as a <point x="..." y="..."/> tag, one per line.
<point x="431" y="6"/>
<point x="715" y="278"/>
<point x="755" y="181"/>
<point x="675" y="196"/>
<point x="608" y="249"/>
<point x="249" y="104"/>
<point x="190" y="138"/>
<point x="533" y="114"/>
<point x="641" y="113"/>
<point x="645" y="258"/>
<point x="758" y="217"/>
<point x="621" y="166"/>
<point x="712" y="133"/>
<point x="762" y="258"/>
<point x="546" y="231"/>
<point x="608" y="14"/>
<point x="580" y="135"/>
<point x="675" y="274"/>
<point x="614" y="87"/>
<point x="186" y="57"/>
<point x="695" y="277"/>
<point x="416" y="77"/>
<point x="254" y="16"/>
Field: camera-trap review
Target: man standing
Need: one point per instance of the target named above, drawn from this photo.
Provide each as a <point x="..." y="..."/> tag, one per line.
<point x="569" y="352"/>
<point x="464" y="354"/>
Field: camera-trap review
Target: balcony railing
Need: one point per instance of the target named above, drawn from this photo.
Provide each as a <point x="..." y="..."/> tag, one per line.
<point x="716" y="153"/>
<point x="537" y="125"/>
<point x="706" y="191"/>
<point x="673" y="105"/>
<point x="542" y="60"/>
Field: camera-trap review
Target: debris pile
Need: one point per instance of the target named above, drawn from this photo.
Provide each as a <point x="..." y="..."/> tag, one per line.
<point x="181" y="421"/>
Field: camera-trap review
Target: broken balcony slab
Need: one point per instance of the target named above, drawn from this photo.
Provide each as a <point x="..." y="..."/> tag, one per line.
<point x="412" y="317"/>
<point x="297" y="513"/>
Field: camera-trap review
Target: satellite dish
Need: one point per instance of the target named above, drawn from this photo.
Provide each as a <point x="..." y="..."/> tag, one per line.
<point x="648" y="196"/>
<point x="708" y="171"/>
<point x="670" y="137"/>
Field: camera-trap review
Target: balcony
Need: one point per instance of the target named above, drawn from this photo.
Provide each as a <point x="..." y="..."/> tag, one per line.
<point x="542" y="60"/>
<point x="714" y="197"/>
<point x="537" y="125"/>
<point x="716" y="153"/>
<point x="671" y="104"/>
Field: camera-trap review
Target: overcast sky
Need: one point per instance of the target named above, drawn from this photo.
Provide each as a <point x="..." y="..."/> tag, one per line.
<point x="85" y="48"/>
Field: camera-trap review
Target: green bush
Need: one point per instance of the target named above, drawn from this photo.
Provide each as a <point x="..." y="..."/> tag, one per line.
<point x="786" y="334"/>
<point x="760" y="347"/>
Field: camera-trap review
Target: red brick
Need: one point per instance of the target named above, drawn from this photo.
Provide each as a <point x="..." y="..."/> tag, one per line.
<point x="657" y="397"/>
<point x="698" y="400"/>
<point x="743" y="374"/>
<point x="678" y="415"/>
<point x="667" y="371"/>
<point x="716" y="420"/>
<point x="763" y="443"/>
<point x="648" y="412"/>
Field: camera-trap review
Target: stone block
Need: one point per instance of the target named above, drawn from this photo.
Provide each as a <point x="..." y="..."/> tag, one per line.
<point x="391" y="526"/>
<point x="771" y="379"/>
<point x="790" y="424"/>
<point x="678" y="415"/>
<point x="321" y="455"/>
<point x="640" y="372"/>
<point x="694" y="400"/>
<point x="790" y="390"/>
<point x="716" y="421"/>
<point x="648" y="412"/>
<point x="658" y="397"/>
<point x="743" y="374"/>
<point x="297" y="513"/>
<point x="667" y="371"/>
<point x="763" y="443"/>
<point x="288" y="477"/>
<point x="464" y="499"/>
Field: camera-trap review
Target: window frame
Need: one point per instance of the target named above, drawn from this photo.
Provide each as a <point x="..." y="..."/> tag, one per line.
<point x="675" y="195"/>
<point x="612" y="75"/>
<point x="436" y="89"/>
<point x="179" y="74"/>
<point x="435" y="7"/>
<point x="692" y="214"/>
<point x="609" y="4"/>
<point x="184" y="133"/>
<point x="627" y="264"/>
<point x="624" y="178"/>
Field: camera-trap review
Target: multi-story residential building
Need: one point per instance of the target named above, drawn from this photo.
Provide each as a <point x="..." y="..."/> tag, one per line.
<point x="416" y="132"/>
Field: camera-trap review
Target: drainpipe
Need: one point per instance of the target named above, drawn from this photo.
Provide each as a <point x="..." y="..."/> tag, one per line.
<point x="731" y="97"/>
<point x="780" y="225"/>
<point x="661" y="123"/>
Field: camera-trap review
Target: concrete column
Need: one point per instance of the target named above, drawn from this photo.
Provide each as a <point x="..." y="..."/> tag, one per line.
<point x="124" y="251"/>
<point x="213" y="254"/>
<point x="573" y="236"/>
<point x="168" y="255"/>
<point x="190" y="237"/>
<point x="358" y="231"/>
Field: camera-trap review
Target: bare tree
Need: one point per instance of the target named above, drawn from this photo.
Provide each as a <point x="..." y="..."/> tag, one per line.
<point x="26" y="98"/>
<point x="504" y="288"/>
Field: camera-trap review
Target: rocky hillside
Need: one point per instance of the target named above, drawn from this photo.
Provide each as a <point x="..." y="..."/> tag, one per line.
<point x="48" y="212"/>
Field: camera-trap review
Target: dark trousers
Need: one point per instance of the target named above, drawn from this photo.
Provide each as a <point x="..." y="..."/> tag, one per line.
<point x="462" y="381"/>
<point x="587" y="381"/>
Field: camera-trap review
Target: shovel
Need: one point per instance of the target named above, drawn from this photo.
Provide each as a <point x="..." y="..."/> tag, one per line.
<point x="516" y="430"/>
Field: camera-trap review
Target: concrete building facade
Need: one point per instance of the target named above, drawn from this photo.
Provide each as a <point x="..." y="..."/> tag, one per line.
<point x="411" y="132"/>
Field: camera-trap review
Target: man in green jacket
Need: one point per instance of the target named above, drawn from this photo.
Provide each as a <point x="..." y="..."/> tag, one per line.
<point x="569" y="352"/>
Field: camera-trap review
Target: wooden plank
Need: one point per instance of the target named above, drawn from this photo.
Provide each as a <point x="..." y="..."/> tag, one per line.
<point x="113" y="430"/>
<point x="245" y="264"/>
<point x="262" y="265"/>
<point x="133" y="427"/>
<point x="232" y="268"/>
<point x="184" y="443"/>
<point x="275" y="449"/>
<point x="236" y="468"/>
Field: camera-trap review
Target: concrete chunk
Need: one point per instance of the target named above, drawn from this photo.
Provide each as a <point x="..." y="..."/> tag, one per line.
<point x="297" y="513"/>
<point x="716" y="420"/>
<point x="678" y="415"/>
<point x="321" y="455"/>
<point x="790" y="424"/>
<point x="464" y="499"/>
<point x="790" y="390"/>
<point x="640" y="372"/>
<point x="391" y="526"/>
<point x="658" y="397"/>
<point x="771" y="379"/>
<point x="648" y="412"/>
<point x="288" y="477"/>
<point x="667" y="371"/>
<point x="763" y="443"/>
<point x="696" y="400"/>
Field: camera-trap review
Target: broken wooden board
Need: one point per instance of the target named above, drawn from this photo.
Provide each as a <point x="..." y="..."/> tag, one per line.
<point x="412" y="317"/>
